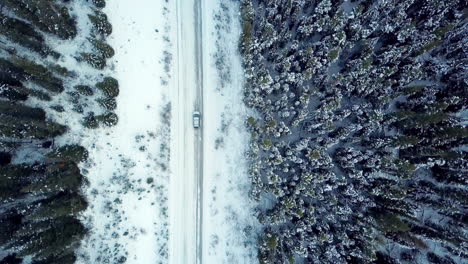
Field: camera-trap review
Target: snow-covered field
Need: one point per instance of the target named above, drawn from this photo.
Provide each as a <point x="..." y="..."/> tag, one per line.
<point x="128" y="164"/>
<point x="229" y="224"/>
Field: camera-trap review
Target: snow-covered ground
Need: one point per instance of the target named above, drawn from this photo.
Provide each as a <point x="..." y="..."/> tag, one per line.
<point x="128" y="164"/>
<point x="144" y="173"/>
<point x="229" y="224"/>
<point x="228" y="227"/>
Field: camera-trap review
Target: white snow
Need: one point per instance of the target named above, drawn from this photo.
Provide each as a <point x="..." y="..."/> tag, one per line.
<point x="183" y="183"/>
<point x="229" y="226"/>
<point x="127" y="189"/>
<point x="127" y="169"/>
<point x="142" y="200"/>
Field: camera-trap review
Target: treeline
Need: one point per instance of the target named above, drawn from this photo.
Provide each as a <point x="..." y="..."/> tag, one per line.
<point x="40" y="182"/>
<point x="359" y="146"/>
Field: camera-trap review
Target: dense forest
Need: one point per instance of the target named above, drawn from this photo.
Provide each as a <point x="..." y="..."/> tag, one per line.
<point x="40" y="182"/>
<point x="359" y="148"/>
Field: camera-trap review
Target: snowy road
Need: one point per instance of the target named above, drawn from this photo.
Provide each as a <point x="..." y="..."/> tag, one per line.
<point x="212" y="219"/>
<point x="186" y="142"/>
<point x="199" y="132"/>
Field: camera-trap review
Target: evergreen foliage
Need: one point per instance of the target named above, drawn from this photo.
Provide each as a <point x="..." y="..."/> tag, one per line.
<point x="41" y="199"/>
<point x="361" y="130"/>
